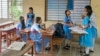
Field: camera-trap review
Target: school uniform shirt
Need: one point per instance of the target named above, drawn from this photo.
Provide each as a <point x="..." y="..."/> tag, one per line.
<point x="86" y="39"/>
<point x="66" y="27"/>
<point x="30" y="19"/>
<point x="93" y="25"/>
<point x="18" y="28"/>
<point x="36" y="36"/>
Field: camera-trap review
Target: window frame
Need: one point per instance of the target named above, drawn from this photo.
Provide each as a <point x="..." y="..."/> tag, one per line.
<point x="46" y="11"/>
<point x="7" y="10"/>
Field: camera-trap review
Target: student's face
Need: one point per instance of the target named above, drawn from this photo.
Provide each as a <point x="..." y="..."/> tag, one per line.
<point x="22" y="19"/>
<point x="30" y="10"/>
<point x="40" y="21"/>
<point x="68" y="13"/>
<point x="85" y="12"/>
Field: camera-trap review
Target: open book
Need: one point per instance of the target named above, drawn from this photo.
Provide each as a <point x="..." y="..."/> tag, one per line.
<point x="16" y="46"/>
<point x="78" y="30"/>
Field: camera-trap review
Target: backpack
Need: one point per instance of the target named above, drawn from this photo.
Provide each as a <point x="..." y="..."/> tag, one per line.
<point x="59" y="32"/>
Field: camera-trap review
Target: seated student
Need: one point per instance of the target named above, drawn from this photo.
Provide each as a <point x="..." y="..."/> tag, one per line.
<point x="21" y="26"/>
<point x="86" y="40"/>
<point x="67" y="24"/>
<point x="36" y="34"/>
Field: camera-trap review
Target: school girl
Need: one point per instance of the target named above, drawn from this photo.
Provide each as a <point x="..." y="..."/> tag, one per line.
<point x="67" y="24"/>
<point x="20" y="26"/>
<point x="36" y="34"/>
<point x="86" y="40"/>
<point x="30" y="18"/>
<point x="93" y="26"/>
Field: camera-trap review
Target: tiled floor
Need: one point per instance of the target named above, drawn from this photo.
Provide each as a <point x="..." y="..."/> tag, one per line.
<point x="62" y="52"/>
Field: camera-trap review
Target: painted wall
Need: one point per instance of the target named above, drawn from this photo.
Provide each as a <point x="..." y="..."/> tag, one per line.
<point x="96" y="8"/>
<point x="38" y="6"/>
<point x="39" y="10"/>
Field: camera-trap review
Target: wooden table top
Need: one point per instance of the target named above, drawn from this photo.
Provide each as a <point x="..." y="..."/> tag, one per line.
<point x="26" y="30"/>
<point x="6" y="23"/>
<point x="17" y="53"/>
<point x="73" y="32"/>
<point x="8" y="28"/>
<point x="47" y="33"/>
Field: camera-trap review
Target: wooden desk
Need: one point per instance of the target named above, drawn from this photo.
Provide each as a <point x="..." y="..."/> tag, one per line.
<point x="74" y="42"/>
<point x="50" y="36"/>
<point x="26" y="32"/>
<point x="26" y="48"/>
<point x="9" y="30"/>
<point x="8" y="23"/>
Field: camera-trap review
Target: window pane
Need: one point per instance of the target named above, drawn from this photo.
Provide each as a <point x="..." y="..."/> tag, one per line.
<point x="56" y="9"/>
<point x="0" y="8"/>
<point x="6" y="8"/>
<point x="78" y="9"/>
<point x="16" y="8"/>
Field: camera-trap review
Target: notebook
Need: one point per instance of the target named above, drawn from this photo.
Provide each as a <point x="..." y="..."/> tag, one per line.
<point x="16" y="45"/>
<point x="78" y="30"/>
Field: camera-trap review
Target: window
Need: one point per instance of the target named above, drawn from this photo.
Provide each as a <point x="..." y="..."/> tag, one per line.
<point x="15" y="8"/>
<point x="55" y="9"/>
<point x="10" y="8"/>
<point x="78" y="9"/>
<point x="4" y="9"/>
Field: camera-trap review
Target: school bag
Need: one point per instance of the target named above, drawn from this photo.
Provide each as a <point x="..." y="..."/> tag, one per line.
<point x="59" y="32"/>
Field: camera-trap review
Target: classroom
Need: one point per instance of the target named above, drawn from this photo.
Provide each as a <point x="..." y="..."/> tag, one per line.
<point x="49" y="28"/>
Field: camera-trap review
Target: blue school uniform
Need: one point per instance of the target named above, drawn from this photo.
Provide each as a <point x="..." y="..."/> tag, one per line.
<point x="93" y="25"/>
<point x="36" y="36"/>
<point x="94" y="32"/>
<point x="66" y="27"/>
<point x="18" y="28"/>
<point x="30" y="19"/>
<point x="86" y="40"/>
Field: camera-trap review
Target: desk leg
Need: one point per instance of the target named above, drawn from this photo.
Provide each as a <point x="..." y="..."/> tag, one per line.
<point x="32" y="50"/>
<point x="51" y="45"/>
<point x="7" y="39"/>
<point x="27" y="37"/>
<point x="0" y="42"/>
<point x="42" y="46"/>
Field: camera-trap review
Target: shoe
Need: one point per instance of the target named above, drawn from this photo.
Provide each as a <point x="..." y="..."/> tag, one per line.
<point x="91" y="51"/>
<point x="47" y="48"/>
<point x="86" y="55"/>
<point x="67" y="47"/>
<point x="82" y="51"/>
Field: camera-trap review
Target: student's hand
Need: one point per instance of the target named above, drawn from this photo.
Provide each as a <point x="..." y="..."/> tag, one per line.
<point x="71" y="25"/>
<point x="81" y="27"/>
<point x="48" y="30"/>
<point x="43" y="31"/>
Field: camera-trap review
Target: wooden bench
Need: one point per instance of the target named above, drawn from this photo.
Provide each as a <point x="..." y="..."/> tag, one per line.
<point x="25" y="49"/>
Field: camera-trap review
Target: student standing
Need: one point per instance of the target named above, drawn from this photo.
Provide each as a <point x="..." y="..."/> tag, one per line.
<point x="86" y="40"/>
<point x="67" y="24"/>
<point x="36" y="34"/>
<point x="30" y="18"/>
<point x="93" y="26"/>
<point x="20" y="26"/>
